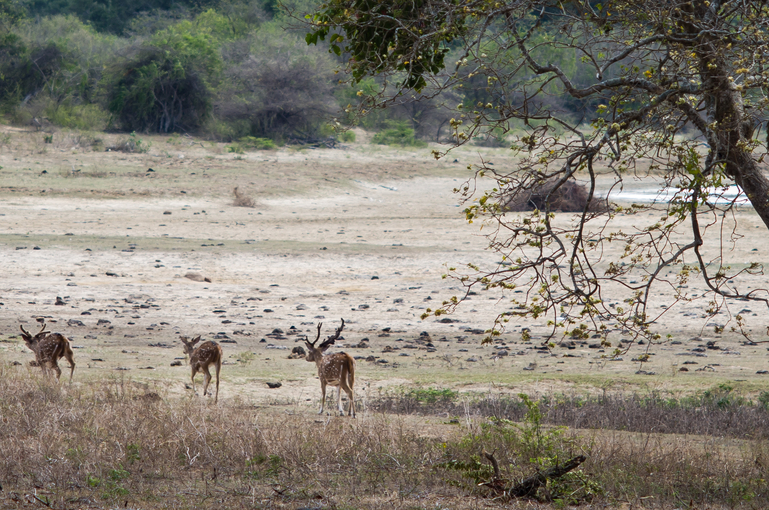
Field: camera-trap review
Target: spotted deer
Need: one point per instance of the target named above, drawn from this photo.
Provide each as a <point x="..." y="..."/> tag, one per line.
<point x="334" y="370"/>
<point x="49" y="348"/>
<point x="207" y="354"/>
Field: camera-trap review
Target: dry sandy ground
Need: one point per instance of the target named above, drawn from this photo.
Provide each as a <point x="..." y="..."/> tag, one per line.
<point x="362" y="233"/>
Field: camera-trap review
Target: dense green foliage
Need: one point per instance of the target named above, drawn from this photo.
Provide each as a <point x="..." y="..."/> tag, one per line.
<point x="226" y="69"/>
<point x="111" y="16"/>
<point x="165" y="86"/>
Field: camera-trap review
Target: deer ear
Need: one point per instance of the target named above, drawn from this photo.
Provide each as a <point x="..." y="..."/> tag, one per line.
<point x="184" y="340"/>
<point x="195" y="340"/>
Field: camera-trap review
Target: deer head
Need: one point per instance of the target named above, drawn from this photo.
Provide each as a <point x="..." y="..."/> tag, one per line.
<point x="189" y="345"/>
<point x="30" y="339"/>
<point x="316" y="353"/>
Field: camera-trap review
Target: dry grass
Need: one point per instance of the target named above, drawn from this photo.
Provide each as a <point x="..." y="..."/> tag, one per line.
<point x="118" y="443"/>
<point x="717" y="412"/>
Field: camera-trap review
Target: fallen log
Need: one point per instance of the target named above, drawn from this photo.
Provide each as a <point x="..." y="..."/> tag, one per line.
<point x="529" y="486"/>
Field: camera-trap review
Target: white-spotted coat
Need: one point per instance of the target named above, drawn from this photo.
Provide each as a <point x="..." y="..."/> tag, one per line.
<point x="207" y="354"/>
<point x="49" y="348"/>
<point x="333" y="370"/>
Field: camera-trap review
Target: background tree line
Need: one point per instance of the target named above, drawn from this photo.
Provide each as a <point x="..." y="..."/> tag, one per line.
<point x="225" y="69"/>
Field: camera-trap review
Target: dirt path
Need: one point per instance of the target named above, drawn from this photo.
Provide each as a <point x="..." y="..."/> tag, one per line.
<point x="363" y="234"/>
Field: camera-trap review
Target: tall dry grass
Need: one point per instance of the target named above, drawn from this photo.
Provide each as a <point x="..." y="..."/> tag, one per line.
<point x="716" y="412"/>
<point x="116" y="443"/>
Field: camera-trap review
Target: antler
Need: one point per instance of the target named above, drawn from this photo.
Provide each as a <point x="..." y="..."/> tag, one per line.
<point x="28" y="333"/>
<point x="320" y="325"/>
<point x="330" y="340"/>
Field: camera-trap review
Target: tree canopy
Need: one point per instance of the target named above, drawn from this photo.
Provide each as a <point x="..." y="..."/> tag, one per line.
<point x="670" y="90"/>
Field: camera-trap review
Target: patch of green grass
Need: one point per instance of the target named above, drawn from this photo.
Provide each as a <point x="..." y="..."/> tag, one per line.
<point x="398" y="133"/>
<point x="432" y="395"/>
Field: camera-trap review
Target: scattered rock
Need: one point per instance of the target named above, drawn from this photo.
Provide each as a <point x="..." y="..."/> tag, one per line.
<point x="274" y="385"/>
<point x="297" y="352"/>
<point x="197" y="277"/>
<point x="75" y="322"/>
<point x="176" y="363"/>
<point x="59" y="301"/>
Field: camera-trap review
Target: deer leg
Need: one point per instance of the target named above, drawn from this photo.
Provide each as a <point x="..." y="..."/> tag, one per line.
<point x="57" y="370"/>
<point x="71" y="362"/>
<point x="351" y="398"/>
<point x="339" y="399"/>
<point x="322" y="396"/>
<point x="218" y="369"/>
<point x="193" y="381"/>
<point x="206" y="380"/>
<point x="344" y="386"/>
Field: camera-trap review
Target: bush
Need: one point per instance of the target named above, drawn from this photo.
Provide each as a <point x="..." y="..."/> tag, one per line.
<point x="276" y="87"/>
<point x="164" y="85"/>
<point x="397" y="134"/>
<point x="251" y="142"/>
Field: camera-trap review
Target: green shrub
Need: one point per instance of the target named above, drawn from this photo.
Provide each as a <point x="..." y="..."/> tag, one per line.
<point x="397" y="134"/>
<point x="521" y="449"/>
<point x="84" y="116"/>
<point x="432" y="395"/>
<point x="763" y="399"/>
<point x="262" y="144"/>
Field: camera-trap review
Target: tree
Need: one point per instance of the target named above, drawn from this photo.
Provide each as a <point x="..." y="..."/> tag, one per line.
<point x="652" y="88"/>
<point x="276" y="87"/>
<point x="163" y="86"/>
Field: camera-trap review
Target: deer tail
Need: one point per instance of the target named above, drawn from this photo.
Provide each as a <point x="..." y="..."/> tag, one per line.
<point x="350" y="371"/>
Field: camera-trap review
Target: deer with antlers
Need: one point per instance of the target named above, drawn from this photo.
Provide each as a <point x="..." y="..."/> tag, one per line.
<point x="333" y="370"/>
<point x="207" y="354"/>
<point x="49" y="348"/>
